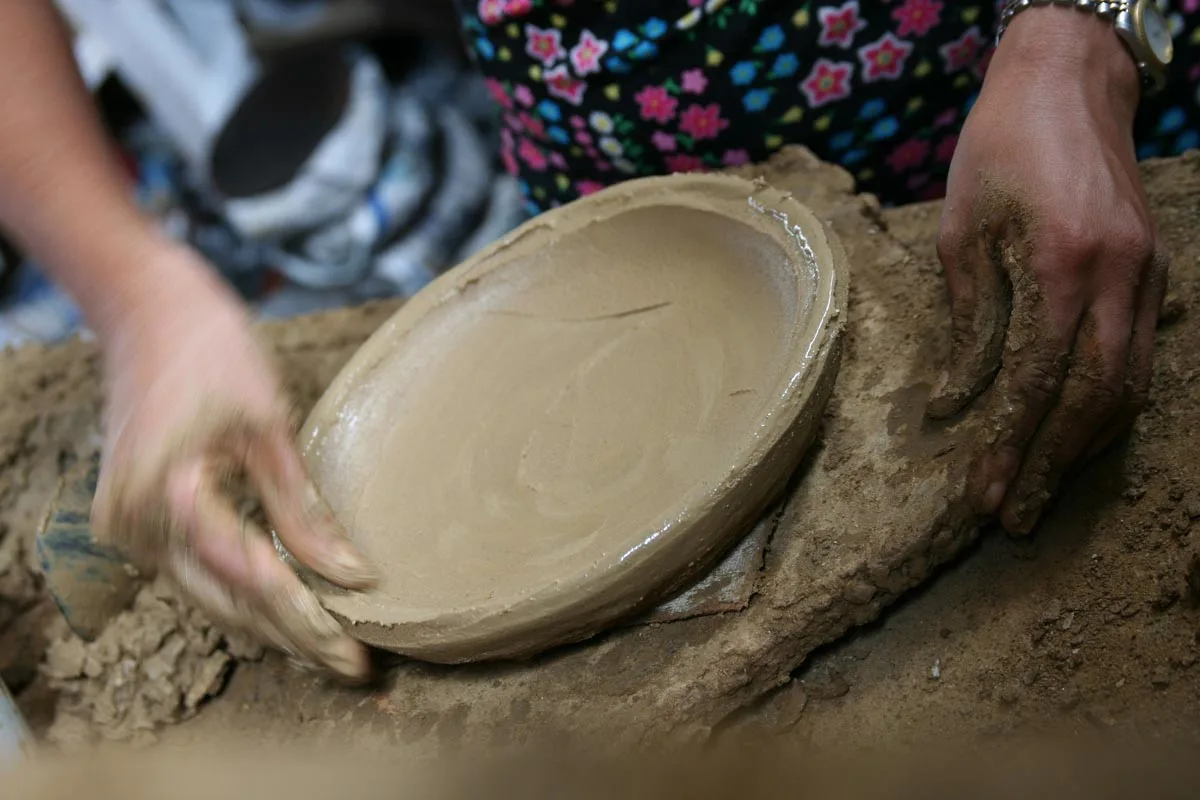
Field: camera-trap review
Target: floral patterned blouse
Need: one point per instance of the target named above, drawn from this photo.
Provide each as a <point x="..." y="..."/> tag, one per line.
<point x="593" y="91"/>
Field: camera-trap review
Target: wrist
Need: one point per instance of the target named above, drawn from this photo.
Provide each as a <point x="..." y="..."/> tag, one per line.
<point x="1071" y="48"/>
<point x="158" y="283"/>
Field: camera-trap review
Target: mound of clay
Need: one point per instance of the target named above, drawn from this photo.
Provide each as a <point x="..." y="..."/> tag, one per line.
<point x="154" y="664"/>
<point x="582" y="419"/>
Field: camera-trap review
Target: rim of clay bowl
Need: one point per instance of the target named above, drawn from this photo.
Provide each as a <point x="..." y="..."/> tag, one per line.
<point x="549" y="616"/>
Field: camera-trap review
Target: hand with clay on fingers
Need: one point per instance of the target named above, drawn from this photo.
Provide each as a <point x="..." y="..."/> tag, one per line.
<point x="193" y="402"/>
<point x="1051" y="259"/>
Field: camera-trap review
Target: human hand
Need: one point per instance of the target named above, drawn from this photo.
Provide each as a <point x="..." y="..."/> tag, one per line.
<point x="193" y="403"/>
<point x="1052" y="264"/>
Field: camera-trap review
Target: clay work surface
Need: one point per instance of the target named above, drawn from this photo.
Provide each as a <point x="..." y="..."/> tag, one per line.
<point x="1091" y="623"/>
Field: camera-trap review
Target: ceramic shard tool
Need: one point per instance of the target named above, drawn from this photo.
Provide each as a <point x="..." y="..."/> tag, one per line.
<point x="579" y="421"/>
<point x="90" y="582"/>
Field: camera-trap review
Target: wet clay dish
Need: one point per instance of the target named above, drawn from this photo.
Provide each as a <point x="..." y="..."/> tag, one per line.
<point x="583" y="418"/>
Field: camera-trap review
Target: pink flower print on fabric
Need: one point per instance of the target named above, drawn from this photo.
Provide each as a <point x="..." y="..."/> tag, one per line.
<point x="523" y="95"/>
<point x="507" y="154"/>
<point x="946" y="118"/>
<point x="684" y="163"/>
<point x="532" y="155"/>
<point x="840" y="25"/>
<point x="945" y="149"/>
<point x="491" y="11"/>
<point x="498" y="92"/>
<point x="588" y="187"/>
<point x="657" y="104"/>
<point x="694" y="81"/>
<point x="565" y="86"/>
<point x="664" y="141"/>
<point x="702" y="122"/>
<point x="735" y="158"/>
<point x="908" y="155"/>
<point x="917" y="17"/>
<point x="828" y="81"/>
<point x="544" y="45"/>
<point x="884" y="59"/>
<point x="533" y="126"/>
<point x="586" y="55"/>
<point x="518" y="8"/>
<point x="963" y="52"/>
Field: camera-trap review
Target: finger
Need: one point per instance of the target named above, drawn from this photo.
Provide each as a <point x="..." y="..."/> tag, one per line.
<point x="233" y="556"/>
<point x="1140" y="369"/>
<point x="209" y="527"/>
<point x="1035" y="364"/>
<point x="979" y="301"/>
<point x="227" y="610"/>
<point x="1092" y="393"/>
<point x="230" y="611"/>
<point x="304" y="523"/>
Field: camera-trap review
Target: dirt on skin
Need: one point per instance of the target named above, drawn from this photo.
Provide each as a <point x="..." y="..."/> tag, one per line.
<point x="1093" y="624"/>
<point x="1089" y="624"/>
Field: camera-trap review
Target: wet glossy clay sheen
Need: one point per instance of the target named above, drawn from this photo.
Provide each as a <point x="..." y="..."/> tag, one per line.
<point x="583" y="418"/>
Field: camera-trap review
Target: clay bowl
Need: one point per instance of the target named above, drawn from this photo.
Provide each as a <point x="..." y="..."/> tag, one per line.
<point x="583" y="418"/>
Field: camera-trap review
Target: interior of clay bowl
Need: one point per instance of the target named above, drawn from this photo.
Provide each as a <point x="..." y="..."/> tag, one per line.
<point x="581" y="418"/>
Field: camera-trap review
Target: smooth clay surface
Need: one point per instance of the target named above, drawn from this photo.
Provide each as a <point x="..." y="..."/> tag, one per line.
<point x="583" y="418"/>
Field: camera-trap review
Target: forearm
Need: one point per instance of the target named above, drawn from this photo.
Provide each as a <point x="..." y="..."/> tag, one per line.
<point x="63" y="197"/>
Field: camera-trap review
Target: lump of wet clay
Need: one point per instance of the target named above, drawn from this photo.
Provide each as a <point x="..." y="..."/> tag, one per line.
<point x="154" y="664"/>
<point x="582" y="419"/>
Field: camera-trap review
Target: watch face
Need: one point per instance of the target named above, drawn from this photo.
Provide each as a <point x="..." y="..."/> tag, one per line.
<point x="1157" y="32"/>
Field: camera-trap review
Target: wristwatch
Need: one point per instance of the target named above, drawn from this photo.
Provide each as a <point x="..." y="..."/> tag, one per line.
<point x="1140" y="24"/>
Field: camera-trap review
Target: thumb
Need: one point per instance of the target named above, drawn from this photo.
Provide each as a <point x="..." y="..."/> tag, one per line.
<point x="979" y="302"/>
<point x="304" y="523"/>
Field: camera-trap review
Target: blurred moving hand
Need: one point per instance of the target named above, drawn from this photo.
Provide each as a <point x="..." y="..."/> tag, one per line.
<point x="192" y="400"/>
<point x="192" y="403"/>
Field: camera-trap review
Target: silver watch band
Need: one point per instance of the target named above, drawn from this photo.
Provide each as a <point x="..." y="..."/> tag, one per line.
<point x="1150" y="46"/>
<point x="1105" y="9"/>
